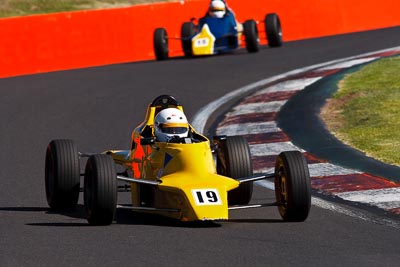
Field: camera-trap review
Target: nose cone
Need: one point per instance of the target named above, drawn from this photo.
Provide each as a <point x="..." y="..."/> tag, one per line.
<point x="206" y="198"/>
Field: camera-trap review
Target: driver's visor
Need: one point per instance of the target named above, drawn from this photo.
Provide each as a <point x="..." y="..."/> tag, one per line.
<point x="174" y="128"/>
<point x="217" y="8"/>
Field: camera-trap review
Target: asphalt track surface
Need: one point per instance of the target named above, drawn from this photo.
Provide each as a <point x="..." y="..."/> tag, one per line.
<point x="98" y="107"/>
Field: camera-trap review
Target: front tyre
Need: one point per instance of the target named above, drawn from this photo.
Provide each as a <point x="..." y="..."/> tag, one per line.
<point x="62" y="174"/>
<point x="292" y="186"/>
<point x="160" y="43"/>
<point x="188" y="30"/>
<point x="251" y="36"/>
<point x="274" y="30"/>
<point x="100" y="190"/>
<point x="234" y="160"/>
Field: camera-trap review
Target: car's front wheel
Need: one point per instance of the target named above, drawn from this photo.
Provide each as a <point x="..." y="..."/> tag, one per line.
<point x="292" y="186"/>
<point x="188" y="30"/>
<point x="234" y="160"/>
<point x="100" y="190"/>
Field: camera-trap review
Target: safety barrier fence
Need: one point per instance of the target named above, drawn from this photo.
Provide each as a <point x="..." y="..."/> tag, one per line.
<point x="68" y="40"/>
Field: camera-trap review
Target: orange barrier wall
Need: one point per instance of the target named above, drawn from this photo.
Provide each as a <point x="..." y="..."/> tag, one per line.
<point x="43" y="43"/>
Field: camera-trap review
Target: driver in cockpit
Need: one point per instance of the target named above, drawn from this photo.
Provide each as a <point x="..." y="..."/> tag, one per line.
<point x="169" y="124"/>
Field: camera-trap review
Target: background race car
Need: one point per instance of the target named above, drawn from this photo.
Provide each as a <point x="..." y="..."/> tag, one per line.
<point x="219" y="35"/>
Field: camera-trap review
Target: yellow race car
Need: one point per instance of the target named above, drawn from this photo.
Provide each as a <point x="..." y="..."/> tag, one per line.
<point x="186" y="176"/>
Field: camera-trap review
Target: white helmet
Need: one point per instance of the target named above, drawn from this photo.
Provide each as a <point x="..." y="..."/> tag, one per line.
<point x="170" y="122"/>
<point x="217" y="9"/>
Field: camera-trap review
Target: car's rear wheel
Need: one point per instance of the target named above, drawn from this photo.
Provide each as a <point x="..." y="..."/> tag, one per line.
<point x="251" y="36"/>
<point x="274" y="30"/>
<point x="62" y="174"/>
<point x="188" y="30"/>
<point x="160" y="42"/>
<point x="292" y="186"/>
<point x="100" y="190"/>
<point x="234" y="160"/>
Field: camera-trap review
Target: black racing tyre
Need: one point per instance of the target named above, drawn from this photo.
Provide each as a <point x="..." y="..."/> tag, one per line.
<point x="160" y="42"/>
<point x="62" y="174"/>
<point x="188" y="30"/>
<point x="274" y="30"/>
<point x="251" y="36"/>
<point x="100" y="190"/>
<point x="292" y="186"/>
<point x="234" y="160"/>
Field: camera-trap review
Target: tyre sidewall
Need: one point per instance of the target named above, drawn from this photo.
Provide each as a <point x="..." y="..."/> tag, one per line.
<point x="100" y="190"/>
<point x="62" y="174"/>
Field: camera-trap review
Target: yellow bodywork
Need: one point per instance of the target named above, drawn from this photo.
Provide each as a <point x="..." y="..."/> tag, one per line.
<point x="203" y="42"/>
<point x="189" y="181"/>
<point x="189" y="186"/>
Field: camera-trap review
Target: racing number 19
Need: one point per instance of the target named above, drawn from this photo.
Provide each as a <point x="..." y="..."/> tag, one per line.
<point x="206" y="196"/>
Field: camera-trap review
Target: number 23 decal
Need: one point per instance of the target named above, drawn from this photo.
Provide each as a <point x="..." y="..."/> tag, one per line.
<point x="206" y="197"/>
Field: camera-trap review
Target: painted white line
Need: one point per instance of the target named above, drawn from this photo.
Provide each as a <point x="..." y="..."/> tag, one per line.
<point x="249" y="128"/>
<point x="318" y="170"/>
<point x="353" y="213"/>
<point x="289" y="86"/>
<point x="348" y="64"/>
<point x="388" y="198"/>
<point x="269" y="149"/>
<point x="264" y="170"/>
<point x="318" y="202"/>
<point x="328" y="169"/>
<point x="266" y="184"/>
<point x="264" y="107"/>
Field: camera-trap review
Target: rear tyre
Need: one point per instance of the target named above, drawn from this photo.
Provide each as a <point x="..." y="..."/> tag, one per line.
<point x="292" y="186"/>
<point x="160" y="42"/>
<point x="274" y="30"/>
<point x="234" y="160"/>
<point x="100" y="190"/>
<point x="62" y="174"/>
<point x="188" y="30"/>
<point x="251" y="36"/>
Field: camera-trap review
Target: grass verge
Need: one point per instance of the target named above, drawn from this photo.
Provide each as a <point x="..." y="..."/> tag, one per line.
<point x="10" y="8"/>
<point x="365" y="111"/>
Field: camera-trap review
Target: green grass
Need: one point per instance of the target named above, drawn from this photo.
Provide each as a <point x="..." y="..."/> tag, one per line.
<point x="368" y="104"/>
<point x="9" y="8"/>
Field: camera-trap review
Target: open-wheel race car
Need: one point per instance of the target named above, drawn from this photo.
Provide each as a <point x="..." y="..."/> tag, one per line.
<point x="215" y="35"/>
<point x="184" y="175"/>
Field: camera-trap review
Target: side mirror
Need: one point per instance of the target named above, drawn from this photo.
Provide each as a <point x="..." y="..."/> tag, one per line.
<point x="147" y="141"/>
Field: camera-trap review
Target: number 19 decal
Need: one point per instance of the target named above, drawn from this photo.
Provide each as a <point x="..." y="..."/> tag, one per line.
<point x="206" y="197"/>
